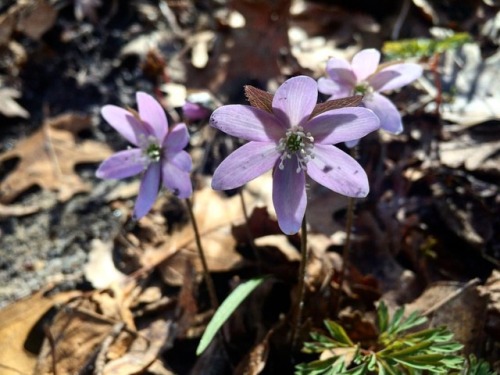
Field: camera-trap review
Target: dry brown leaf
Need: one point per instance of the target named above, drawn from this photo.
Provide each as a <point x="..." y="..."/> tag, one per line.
<point x="16" y="322"/>
<point x="7" y="23"/>
<point x="255" y="361"/>
<point x="143" y="351"/>
<point x="491" y="289"/>
<point x="48" y="158"/>
<point x="457" y="306"/>
<point x="259" y="223"/>
<point x="215" y="216"/>
<point x="254" y="51"/>
<point x="80" y="329"/>
<point x="36" y="18"/>
<point x="15" y="210"/>
<point x="187" y="305"/>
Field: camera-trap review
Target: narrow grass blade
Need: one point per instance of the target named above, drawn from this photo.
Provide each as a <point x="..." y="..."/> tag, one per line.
<point x="225" y="310"/>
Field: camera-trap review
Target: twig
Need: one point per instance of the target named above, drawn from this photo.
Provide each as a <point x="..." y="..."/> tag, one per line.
<point x="206" y="273"/>
<point x="100" y="360"/>
<point x="401" y="19"/>
<point x="52" y="344"/>
<point x="450" y="297"/>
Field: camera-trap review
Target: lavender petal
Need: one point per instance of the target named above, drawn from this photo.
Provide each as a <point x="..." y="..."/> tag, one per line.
<point x="124" y="123"/>
<point x="177" y="139"/>
<point x="176" y="180"/>
<point x="150" y="185"/>
<point x="247" y="122"/>
<point x="338" y="171"/>
<point x="335" y="89"/>
<point x="289" y="196"/>
<point x="340" y="71"/>
<point x="295" y="100"/>
<point x="122" y="164"/>
<point x="153" y="114"/>
<point x="365" y="63"/>
<point x="340" y="125"/>
<point x="390" y="119"/>
<point x="395" y="76"/>
<point x="181" y="159"/>
<point x="243" y="165"/>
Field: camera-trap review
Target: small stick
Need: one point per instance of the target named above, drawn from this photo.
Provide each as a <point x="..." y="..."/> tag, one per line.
<point x="52" y="343"/>
<point x="450" y="297"/>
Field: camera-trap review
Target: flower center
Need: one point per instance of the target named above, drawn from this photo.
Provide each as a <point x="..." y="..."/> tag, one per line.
<point x="363" y="88"/>
<point x="151" y="150"/>
<point x="296" y="142"/>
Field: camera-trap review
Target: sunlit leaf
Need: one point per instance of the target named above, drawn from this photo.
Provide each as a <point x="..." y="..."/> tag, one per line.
<point x="225" y="310"/>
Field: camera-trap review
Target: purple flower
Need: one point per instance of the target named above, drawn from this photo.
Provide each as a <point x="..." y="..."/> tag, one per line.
<point x="195" y="111"/>
<point x="364" y="76"/>
<point x="158" y="152"/>
<point x="290" y="141"/>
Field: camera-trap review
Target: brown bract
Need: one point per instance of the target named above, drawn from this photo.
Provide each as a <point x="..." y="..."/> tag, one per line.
<point x="263" y="100"/>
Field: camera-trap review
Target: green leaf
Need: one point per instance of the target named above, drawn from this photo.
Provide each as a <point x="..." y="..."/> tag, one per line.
<point x="338" y="333"/>
<point x="447" y="347"/>
<point x="320" y="367"/>
<point x="396" y="320"/>
<point x="410" y="350"/>
<point x="424" y="47"/>
<point x="477" y="367"/>
<point x="413" y="320"/>
<point x="383" y="317"/>
<point x="225" y="310"/>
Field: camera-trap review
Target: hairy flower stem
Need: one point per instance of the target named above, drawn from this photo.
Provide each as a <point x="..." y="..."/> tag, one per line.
<point x="302" y="284"/>
<point x="206" y="274"/>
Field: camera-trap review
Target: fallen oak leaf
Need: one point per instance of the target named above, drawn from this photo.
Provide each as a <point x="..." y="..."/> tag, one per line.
<point x="35" y="18"/>
<point x="215" y="216"/>
<point x="143" y="352"/>
<point x="48" y="158"/>
<point x="16" y="323"/>
<point x="81" y="328"/>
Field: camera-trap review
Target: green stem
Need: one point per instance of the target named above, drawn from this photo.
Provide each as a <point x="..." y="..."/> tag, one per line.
<point x="206" y="274"/>
<point x="302" y="284"/>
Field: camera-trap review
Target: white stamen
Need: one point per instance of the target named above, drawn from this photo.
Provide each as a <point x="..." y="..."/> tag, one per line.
<point x="151" y="150"/>
<point x="296" y="142"/>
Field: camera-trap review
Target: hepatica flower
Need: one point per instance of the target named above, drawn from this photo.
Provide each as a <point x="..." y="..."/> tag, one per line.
<point x="157" y="153"/>
<point x="364" y="76"/>
<point x="292" y="142"/>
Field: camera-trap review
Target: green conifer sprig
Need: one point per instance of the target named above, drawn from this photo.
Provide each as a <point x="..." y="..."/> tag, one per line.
<point x="400" y="349"/>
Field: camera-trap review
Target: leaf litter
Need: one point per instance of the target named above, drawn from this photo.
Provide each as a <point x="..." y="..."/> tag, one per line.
<point x="424" y="238"/>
